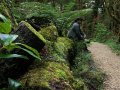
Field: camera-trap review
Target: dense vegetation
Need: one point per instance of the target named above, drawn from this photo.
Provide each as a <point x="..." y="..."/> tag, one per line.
<point x="35" y="53"/>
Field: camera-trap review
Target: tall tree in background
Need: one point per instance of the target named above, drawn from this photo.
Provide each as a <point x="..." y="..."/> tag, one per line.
<point x="7" y="4"/>
<point x="113" y="9"/>
<point x="78" y="3"/>
<point x="81" y="3"/>
<point x="62" y="3"/>
<point x="53" y="3"/>
<point x="96" y="10"/>
<point x="95" y="14"/>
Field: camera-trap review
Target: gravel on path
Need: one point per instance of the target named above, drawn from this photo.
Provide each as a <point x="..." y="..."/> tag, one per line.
<point x="108" y="62"/>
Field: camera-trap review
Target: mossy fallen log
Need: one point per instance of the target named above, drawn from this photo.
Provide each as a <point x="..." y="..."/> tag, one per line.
<point x="53" y="73"/>
<point x="61" y="48"/>
<point x="50" y="75"/>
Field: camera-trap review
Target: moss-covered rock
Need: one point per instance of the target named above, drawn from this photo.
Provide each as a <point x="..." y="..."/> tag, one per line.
<point x="61" y="48"/>
<point x="49" y="33"/>
<point x="58" y="50"/>
<point x="53" y="74"/>
<point x="67" y="42"/>
<point x="50" y="75"/>
<point x="34" y="31"/>
<point x="28" y="35"/>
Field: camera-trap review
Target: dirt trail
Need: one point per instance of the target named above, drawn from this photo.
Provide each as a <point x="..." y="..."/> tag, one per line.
<point x="109" y="63"/>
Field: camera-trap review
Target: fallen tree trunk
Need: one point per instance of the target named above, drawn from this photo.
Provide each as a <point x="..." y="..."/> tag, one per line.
<point x="53" y="72"/>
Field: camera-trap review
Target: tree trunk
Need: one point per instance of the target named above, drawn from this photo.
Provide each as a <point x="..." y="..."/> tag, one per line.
<point x="95" y="14"/>
<point x="79" y="4"/>
<point x="112" y="8"/>
<point x="9" y="13"/>
<point x="53" y="3"/>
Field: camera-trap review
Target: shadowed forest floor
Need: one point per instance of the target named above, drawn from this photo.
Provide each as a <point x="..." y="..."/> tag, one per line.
<point x="109" y="63"/>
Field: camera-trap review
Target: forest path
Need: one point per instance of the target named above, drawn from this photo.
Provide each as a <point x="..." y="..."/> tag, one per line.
<point x="109" y="63"/>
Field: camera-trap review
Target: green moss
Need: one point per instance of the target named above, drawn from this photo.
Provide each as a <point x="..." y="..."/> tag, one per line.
<point x="49" y="33"/>
<point x="59" y="50"/>
<point x="61" y="47"/>
<point x="67" y="42"/>
<point x="52" y="74"/>
<point x="48" y="72"/>
<point x="79" y="84"/>
<point x="58" y="57"/>
<point x="34" y="31"/>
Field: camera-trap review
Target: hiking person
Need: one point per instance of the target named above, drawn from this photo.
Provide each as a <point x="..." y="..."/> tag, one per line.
<point x="75" y="32"/>
<point x="78" y="37"/>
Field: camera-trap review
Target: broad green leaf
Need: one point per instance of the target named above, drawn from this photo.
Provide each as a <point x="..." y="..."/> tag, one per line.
<point x="10" y="47"/>
<point x="5" y="25"/>
<point x="30" y="48"/>
<point x="2" y="18"/>
<point x="13" y="83"/>
<point x="31" y="53"/>
<point x="7" y="39"/>
<point x="7" y="56"/>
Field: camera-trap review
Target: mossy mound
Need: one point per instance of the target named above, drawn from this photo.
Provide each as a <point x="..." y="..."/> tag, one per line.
<point x="51" y="75"/>
<point x="61" y="48"/>
<point x="67" y="42"/>
<point x="49" y="33"/>
<point x="58" y="50"/>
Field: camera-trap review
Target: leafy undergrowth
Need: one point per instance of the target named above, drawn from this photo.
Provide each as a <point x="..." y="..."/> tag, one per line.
<point x="49" y="75"/>
<point x="114" y="46"/>
<point x="103" y="35"/>
<point x="85" y="69"/>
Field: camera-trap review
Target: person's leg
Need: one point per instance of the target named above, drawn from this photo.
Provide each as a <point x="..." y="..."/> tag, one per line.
<point x="72" y="54"/>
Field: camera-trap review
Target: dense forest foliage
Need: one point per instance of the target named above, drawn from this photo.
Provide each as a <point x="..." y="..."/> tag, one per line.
<point x="35" y="53"/>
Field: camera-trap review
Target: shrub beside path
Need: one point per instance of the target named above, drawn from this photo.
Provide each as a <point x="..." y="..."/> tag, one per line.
<point x="108" y="62"/>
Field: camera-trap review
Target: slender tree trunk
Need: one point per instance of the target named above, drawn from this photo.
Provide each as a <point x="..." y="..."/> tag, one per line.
<point x="9" y="13"/>
<point x="112" y="8"/>
<point x="61" y="7"/>
<point x="53" y="3"/>
<point x="95" y="14"/>
<point x="79" y="4"/>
